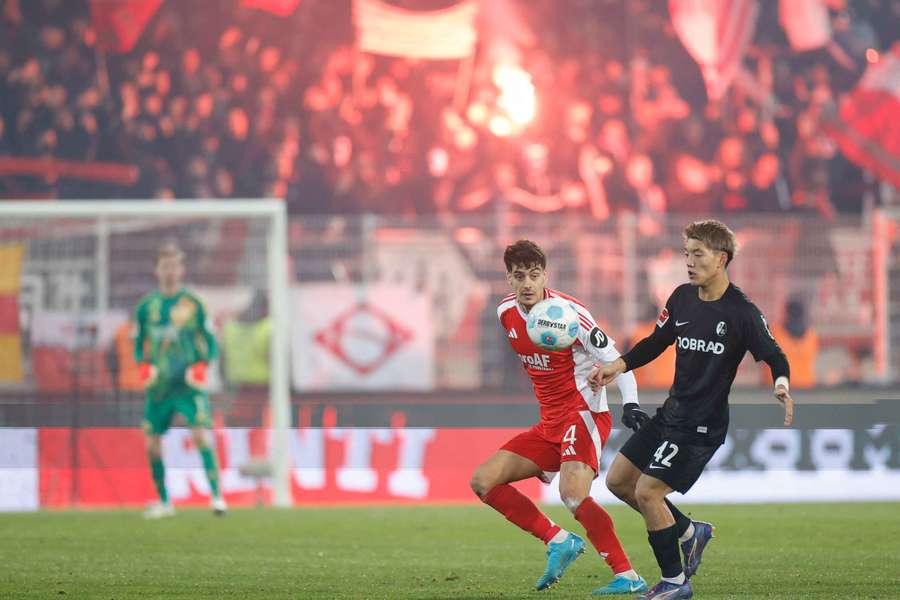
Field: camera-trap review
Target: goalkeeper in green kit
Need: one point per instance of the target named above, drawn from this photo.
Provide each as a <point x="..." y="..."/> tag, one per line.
<point x="172" y="348"/>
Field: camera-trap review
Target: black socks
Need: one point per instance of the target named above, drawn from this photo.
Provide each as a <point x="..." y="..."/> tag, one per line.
<point x="665" y="547"/>
<point x="681" y="522"/>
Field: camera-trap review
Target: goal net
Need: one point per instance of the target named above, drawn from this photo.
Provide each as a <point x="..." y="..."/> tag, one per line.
<point x="71" y="274"/>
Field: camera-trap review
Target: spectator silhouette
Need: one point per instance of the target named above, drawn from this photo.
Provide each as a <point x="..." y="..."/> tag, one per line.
<point x="799" y="342"/>
<point x="247" y="343"/>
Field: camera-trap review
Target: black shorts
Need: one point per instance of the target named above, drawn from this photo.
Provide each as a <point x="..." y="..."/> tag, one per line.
<point x="676" y="463"/>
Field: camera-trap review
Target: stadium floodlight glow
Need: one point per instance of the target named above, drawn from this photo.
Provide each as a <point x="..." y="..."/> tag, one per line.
<point x="500" y="126"/>
<point x="517" y="95"/>
<point x="107" y="240"/>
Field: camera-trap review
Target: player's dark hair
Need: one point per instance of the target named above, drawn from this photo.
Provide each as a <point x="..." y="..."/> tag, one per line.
<point x="715" y="235"/>
<point x="524" y="253"/>
<point x="169" y="250"/>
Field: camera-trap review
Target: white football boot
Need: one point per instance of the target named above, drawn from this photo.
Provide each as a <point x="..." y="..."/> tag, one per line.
<point x="159" y="510"/>
<point x="218" y="506"/>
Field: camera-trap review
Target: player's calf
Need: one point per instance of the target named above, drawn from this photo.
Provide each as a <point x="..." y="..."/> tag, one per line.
<point x="602" y="533"/>
<point x="621" y="480"/>
<point x="624" y="491"/>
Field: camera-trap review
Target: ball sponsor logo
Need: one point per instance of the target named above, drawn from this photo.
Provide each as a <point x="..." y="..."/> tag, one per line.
<point x="551" y="324"/>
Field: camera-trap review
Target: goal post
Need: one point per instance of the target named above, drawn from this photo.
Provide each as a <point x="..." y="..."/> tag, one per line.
<point x="91" y="246"/>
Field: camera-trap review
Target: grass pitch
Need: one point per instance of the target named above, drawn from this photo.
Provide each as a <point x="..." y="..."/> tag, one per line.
<point x="814" y="551"/>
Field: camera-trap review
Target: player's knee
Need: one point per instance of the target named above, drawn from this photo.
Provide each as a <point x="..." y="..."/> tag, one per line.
<point x="480" y="483"/>
<point x="572" y="499"/>
<point x="620" y="487"/>
<point x="645" y="495"/>
<point x="199" y="437"/>
<point x="152" y="443"/>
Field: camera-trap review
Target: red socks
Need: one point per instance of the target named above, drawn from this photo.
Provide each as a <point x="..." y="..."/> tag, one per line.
<point x="602" y="533"/>
<point x="519" y="510"/>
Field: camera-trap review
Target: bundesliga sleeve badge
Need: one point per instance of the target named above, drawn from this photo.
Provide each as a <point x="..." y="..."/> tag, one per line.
<point x="663" y="318"/>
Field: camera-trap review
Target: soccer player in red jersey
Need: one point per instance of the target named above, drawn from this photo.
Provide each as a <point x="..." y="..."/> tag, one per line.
<point x="574" y="426"/>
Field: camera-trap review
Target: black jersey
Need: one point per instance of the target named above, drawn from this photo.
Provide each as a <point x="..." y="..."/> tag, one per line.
<point x="711" y="338"/>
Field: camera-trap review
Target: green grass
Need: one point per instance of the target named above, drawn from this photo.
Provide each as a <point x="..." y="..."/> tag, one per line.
<point x="822" y="551"/>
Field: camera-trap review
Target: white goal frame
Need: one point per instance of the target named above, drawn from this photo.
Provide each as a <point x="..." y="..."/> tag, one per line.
<point x="277" y="264"/>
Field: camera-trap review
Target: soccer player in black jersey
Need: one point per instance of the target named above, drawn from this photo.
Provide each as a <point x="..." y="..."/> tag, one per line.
<point x="713" y="324"/>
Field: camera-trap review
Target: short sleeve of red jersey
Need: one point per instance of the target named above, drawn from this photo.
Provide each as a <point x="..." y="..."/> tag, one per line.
<point x="507" y="303"/>
<point x="595" y="341"/>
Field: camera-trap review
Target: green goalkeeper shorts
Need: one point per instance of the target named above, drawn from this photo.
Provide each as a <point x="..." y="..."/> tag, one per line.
<point x="193" y="405"/>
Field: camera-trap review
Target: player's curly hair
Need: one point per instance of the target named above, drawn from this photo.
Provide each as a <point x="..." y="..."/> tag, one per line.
<point x="524" y="253"/>
<point x="715" y="235"/>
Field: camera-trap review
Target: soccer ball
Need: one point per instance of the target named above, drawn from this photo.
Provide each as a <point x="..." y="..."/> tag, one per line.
<point x="553" y="324"/>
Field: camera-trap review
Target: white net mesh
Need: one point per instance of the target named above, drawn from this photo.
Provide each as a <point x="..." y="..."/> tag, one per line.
<point x="69" y="283"/>
<point x="82" y="277"/>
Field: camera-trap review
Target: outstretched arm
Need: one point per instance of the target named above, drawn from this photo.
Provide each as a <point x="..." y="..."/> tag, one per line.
<point x="643" y="352"/>
<point x="147" y="371"/>
<point x="781" y="372"/>
<point x="628" y="388"/>
<point x="206" y="340"/>
<point x="632" y="416"/>
<point x="603" y="349"/>
<point x="605" y="374"/>
<point x="762" y="345"/>
<point x="781" y="392"/>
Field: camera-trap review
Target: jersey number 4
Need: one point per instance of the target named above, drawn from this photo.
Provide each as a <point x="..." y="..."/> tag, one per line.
<point x="570" y="435"/>
<point x="660" y="454"/>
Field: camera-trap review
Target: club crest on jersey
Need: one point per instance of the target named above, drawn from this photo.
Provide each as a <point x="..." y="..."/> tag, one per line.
<point x="662" y="318"/>
<point x="721" y="329"/>
<point x="598" y="338"/>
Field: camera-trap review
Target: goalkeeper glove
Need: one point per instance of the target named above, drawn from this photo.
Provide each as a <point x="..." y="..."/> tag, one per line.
<point x="195" y="376"/>
<point x="147" y="374"/>
<point x="633" y="417"/>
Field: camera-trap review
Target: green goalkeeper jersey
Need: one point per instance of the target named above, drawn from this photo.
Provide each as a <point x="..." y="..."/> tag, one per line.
<point x="172" y="334"/>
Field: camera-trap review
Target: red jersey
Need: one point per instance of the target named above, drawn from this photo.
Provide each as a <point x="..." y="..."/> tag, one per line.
<point x="559" y="378"/>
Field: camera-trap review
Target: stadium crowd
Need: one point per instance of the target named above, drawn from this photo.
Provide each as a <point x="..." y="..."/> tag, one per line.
<point x="236" y="102"/>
